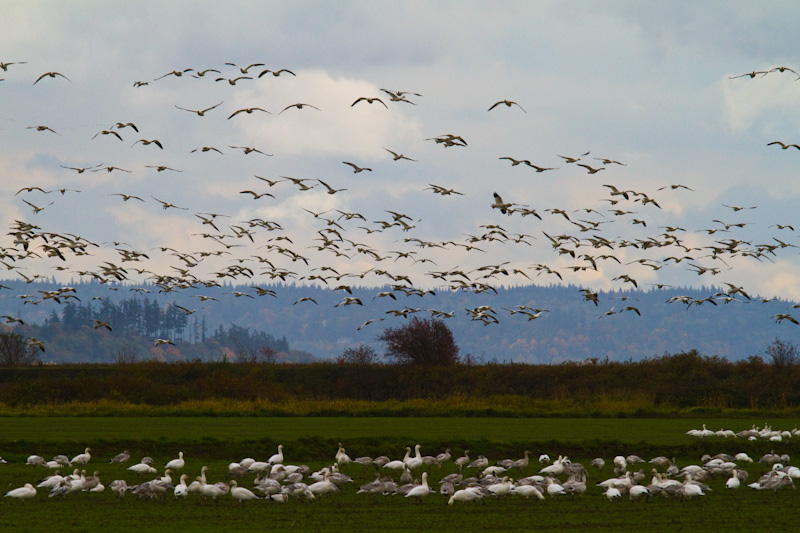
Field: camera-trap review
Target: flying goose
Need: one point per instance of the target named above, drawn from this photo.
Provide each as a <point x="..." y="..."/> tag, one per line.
<point x="200" y="112"/>
<point x="299" y="106"/>
<point x="397" y="156"/>
<point x="249" y="111"/>
<point x="277" y="73"/>
<point x="232" y="81"/>
<point x="52" y="75"/>
<point x="369" y="101"/>
<point x="244" y="70"/>
<point x="42" y="128"/>
<point x="508" y="103"/>
<point x="356" y="168"/>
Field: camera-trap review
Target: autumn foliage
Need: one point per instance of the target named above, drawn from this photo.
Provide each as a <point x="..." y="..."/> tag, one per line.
<point x="421" y="342"/>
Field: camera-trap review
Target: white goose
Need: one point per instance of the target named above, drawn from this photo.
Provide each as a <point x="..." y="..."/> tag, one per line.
<point x="142" y="468"/>
<point x="326" y="486"/>
<point x="416" y="461"/>
<point x="35" y="460"/>
<point x="637" y="492"/>
<point x="210" y="491"/>
<point x="556" y="469"/>
<point x="398" y="464"/>
<point x="526" y="491"/>
<point x="554" y="488"/>
<point x="82" y="458"/>
<point x="464" y="496"/>
<point x="463" y="460"/>
<point x="342" y="459"/>
<point x="278" y="457"/>
<point x="613" y="493"/>
<point x="420" y="491"/>
<point x="51" y="482"/>
<point x="23" y="493"/>
<point x="176" y="464"/>
<point x="240" y="493"/>
<point x="503" y="488"/>
<point x="259" y="466"/>
<point x="181" y="489"/>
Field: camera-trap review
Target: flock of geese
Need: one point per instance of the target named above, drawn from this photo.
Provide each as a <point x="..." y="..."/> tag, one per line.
<point x="476" y="478"/>
<point x="752" y="434"/>
<point x="260" y="251"/>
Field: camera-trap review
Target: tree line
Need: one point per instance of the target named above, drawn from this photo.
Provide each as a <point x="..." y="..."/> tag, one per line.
<point x="680" y="381"/>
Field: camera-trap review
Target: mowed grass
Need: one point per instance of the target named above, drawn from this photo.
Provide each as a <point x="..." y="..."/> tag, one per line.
<point x="720" y="510"/>
<point x="667" y="432"/>
<point x="215" y="442"/>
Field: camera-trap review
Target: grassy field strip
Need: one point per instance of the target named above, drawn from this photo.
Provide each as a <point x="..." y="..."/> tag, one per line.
<point x="86" y="429"/>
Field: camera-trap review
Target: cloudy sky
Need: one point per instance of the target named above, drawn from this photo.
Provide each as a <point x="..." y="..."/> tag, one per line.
<point x="646" y="84"/>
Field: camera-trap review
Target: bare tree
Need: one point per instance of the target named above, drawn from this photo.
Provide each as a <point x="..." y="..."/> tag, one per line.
<point x="359" y="355"/>
<point x="126" y="355"/>
<point x="424" y="342"/>
<point x="783" y="354"/>
<point x="246" y="354"/>
<point x="16" y="351"/>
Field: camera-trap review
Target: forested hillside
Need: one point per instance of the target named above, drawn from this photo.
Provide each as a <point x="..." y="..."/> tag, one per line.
<point x="570" y="328"/>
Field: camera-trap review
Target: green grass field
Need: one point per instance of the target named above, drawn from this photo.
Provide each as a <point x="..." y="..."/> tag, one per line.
<point x="654" y="431"/>
<point x="215" y="442"/>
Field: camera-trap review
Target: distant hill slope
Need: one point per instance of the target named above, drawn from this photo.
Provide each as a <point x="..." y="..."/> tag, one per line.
<point x="570" y="329"/>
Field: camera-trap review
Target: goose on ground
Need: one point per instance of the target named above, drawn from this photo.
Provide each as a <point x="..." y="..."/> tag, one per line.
<point x="613" y="493"/>
<point x="142" y="468"/>
<point x="180" y="490"/>
<point x="554" y="488"/>
<point x="167" y="478"/>
<point x="464" y="496"/>
<point x="121" y="457"/>
<point x="637" y="492"/>
<point x="375" y="487"/>
<point x="415" y="462"/>
<point x="278" y="457"/>
<point x="463" y="460"/>
<point x="364" y="461"/>
<point x="342" y="459"/>
<point x="556" y="469"/>
<point x="398" y="464"/>
<point x="50" y="482"/>
<point x="480" y="462"/>
<point x="267" y="486"/>
<point x="176" y="464"/>
<point x="210" y="491"/>
<point x="36" y="460"/>
<point x="520" y="464"/>
<point x="443" y="457"/>
<point x="26" y="492"/>
<point x="92" y="482"/>
<point x="494" y="470"/>
<point x="526" y="491"/>
<point x="119" y="487"/>
<point x="82" y="458"/>
<point x="326" y="486"/>
<point x="574" y="487"/>
<point x="259" y="466"/>
<point x="503" y="488"/>
<point x="240" y="493"/>
<point x="420" y="491"/>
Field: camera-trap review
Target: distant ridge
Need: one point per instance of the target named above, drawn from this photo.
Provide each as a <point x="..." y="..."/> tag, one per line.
<point x="571" y="329"/>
